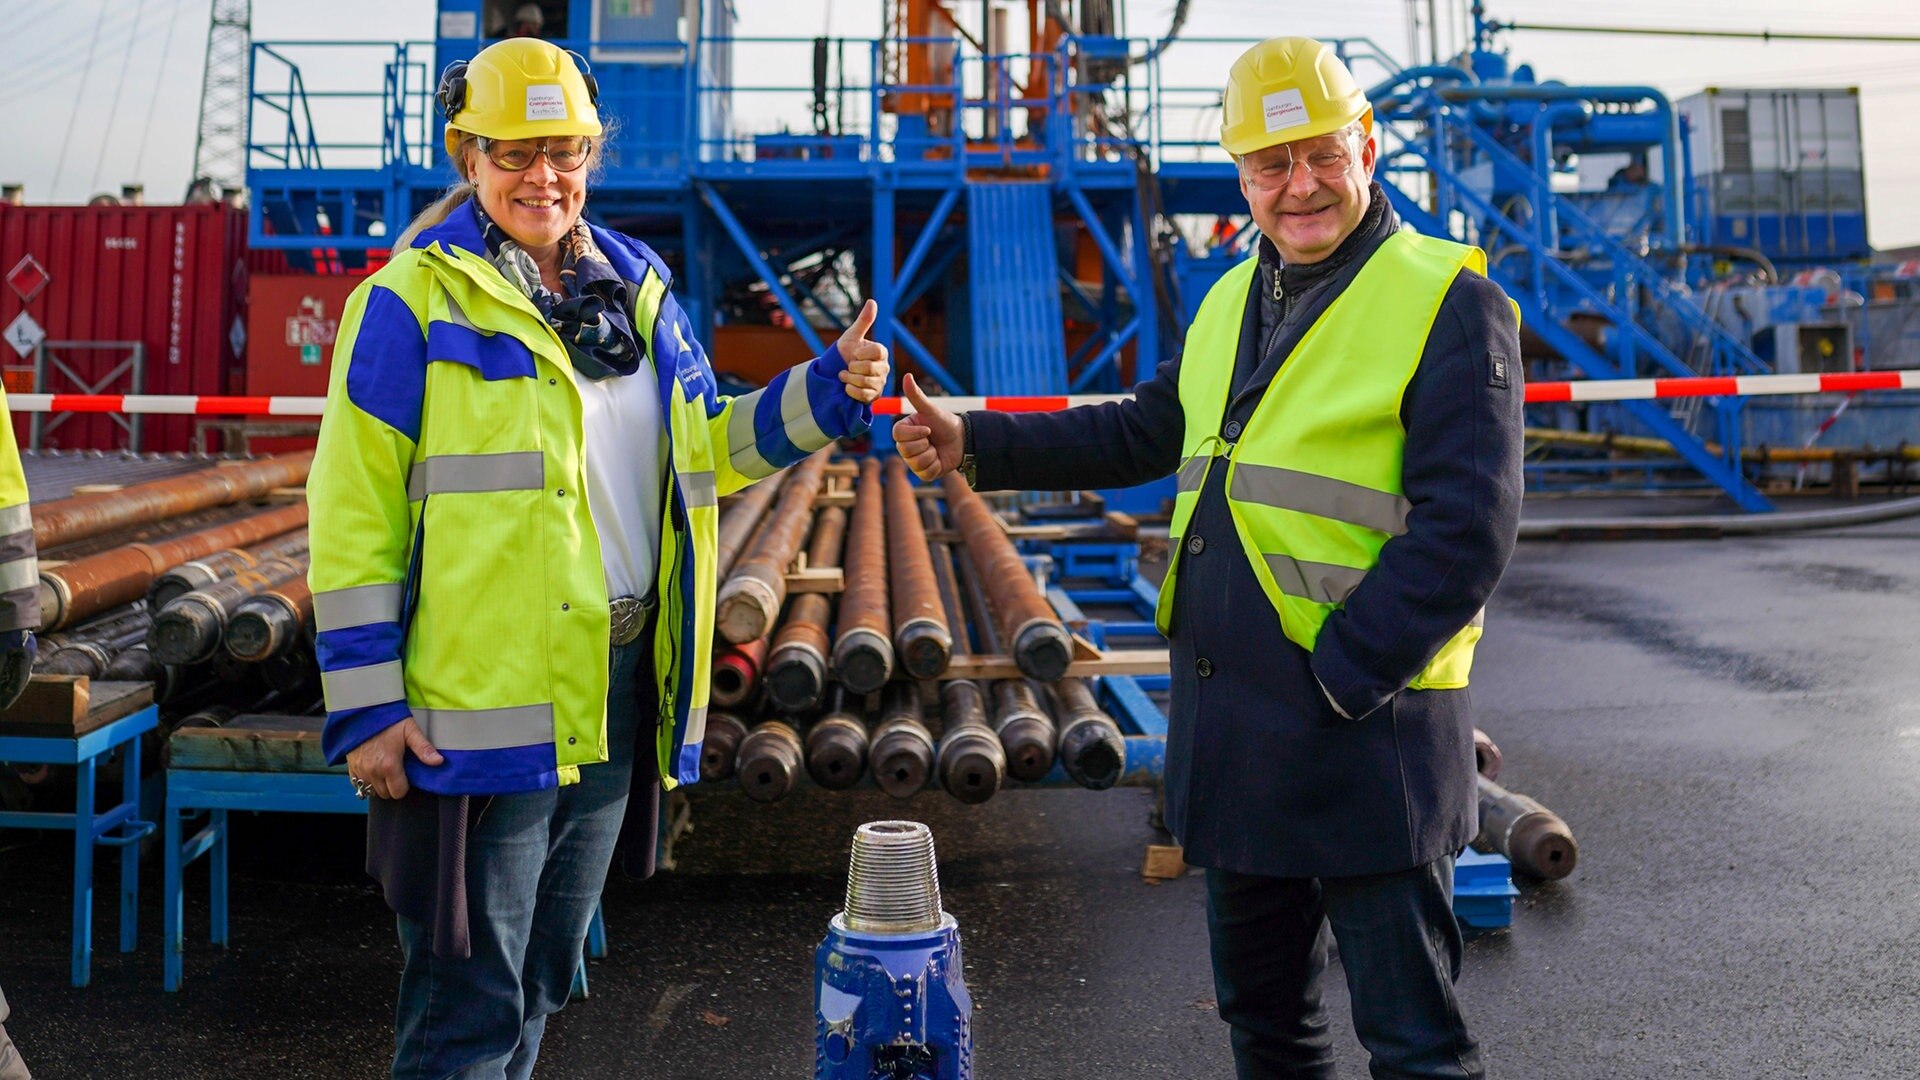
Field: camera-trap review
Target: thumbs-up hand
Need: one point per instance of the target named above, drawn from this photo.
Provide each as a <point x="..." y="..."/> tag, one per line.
<point x="931" y="438"/>
<point x="866" y="373"/>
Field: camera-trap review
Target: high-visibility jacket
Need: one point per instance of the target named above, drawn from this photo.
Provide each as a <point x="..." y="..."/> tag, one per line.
<point x="456" y="572"/>
<point x="19" y="570"/>
<point x="1314" y="480"/>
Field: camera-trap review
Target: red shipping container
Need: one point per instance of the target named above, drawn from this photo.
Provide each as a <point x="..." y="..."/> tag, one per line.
<point x="172" y="278"/>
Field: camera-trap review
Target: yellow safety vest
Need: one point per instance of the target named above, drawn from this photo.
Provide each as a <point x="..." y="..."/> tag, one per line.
<point x="1313" y="482"/>
<point x="19" y="570"/>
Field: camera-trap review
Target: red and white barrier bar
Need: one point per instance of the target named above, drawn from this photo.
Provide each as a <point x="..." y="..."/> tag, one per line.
<point x="1580" y="390"/>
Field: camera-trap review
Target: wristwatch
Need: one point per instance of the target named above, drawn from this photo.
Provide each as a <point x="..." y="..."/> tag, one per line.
<point x="967" y="463"/>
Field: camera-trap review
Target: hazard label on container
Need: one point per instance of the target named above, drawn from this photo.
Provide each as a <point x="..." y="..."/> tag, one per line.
<point x="27" y="278"/>
<point x="23" y="333"/>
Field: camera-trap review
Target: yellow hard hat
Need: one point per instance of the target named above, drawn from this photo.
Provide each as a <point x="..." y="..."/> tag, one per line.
<point x="521" y="88"/>
<point x="1286" y="89"/>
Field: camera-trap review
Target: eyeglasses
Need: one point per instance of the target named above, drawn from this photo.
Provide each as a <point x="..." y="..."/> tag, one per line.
<point x="1327" y="161"/>
<point x="565" y="153"/>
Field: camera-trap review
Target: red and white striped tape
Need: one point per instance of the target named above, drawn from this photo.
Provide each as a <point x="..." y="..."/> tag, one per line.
<point x="1581" y="390"/>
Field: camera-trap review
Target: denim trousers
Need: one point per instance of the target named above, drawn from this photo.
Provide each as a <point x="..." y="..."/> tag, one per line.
<point x="1401" y="949"/>
<point x="535" y="867"/>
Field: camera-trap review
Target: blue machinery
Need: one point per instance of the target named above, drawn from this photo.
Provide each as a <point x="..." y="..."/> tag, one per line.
<point x="1044" y="219"/>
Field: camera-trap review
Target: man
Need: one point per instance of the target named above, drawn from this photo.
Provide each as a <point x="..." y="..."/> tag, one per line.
<point x="19" y="617"/>
<point x="1349" y="405"/>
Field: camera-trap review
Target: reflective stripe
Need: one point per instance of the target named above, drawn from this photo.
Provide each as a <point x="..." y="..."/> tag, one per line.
<point x="357" y="606"/>
<point x="699" y="489"/>
<point x="359" y="687"/>
<point x="1479" y="618"/>
<point x="796" y="412"/>
<point x="1193" y="471"/>
<point x="19" y="574"/>
<point x="1322" y="583"/>
<point x="13" y="519"/>
<point x="16" y="545"/>
<point x="452" y="473"/>
<point x="1322" y="496"/>
<point x="696" y="726"/>
<point x="743" y="449"/>
<point x="486" y="729"/>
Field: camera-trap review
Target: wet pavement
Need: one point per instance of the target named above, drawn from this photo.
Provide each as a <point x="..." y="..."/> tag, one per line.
<point x="1732" y="728"/>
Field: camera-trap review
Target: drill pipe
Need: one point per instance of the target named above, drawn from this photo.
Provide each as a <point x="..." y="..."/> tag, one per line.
<point x="1025" y="729"/>
<point x="292" y="672"/>
<point x="269" y="623"/>
<point x="751" y="598"/>
<point x="736" y="672"/>
<point x="770" y="761"/>
<point x="1039" y="643"/>
<point x="91" y="657"/>
<point x="725" y="732"/>
<point x="921" y="638"/>
<point x="863" y="649"/>
<point x="1091" y="748"/>
<point x="212" y="716"/>
<point x="970" y="760"/>
<point x="67" y="520"/>
<point x="741" y="520"/>
<point x="902" y="748"/>
<point x="1486" y="756"/>
<point x="135" y="663"/>
<point x="200" y="573"/>
<point x="837" y="743"/>
<point x="797" y="667"/>
<point x="189" y="630"/>
<point x="136" y="616"/>
<point x="1531" y="836"/>
<point x="81" y="588"/>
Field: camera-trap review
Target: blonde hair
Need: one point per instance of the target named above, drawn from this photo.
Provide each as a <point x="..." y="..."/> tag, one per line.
<point x="462" y="190"/>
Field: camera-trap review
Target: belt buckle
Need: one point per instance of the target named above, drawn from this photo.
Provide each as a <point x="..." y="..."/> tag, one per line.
<point x="628" y="616"/>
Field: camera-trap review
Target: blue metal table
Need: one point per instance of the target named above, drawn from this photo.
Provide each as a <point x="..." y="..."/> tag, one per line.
<point x="191" y="792"/>
<point x="118" y="827"/>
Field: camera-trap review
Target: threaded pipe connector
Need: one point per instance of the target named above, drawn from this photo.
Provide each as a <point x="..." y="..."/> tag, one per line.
<point x="893" y="885"/>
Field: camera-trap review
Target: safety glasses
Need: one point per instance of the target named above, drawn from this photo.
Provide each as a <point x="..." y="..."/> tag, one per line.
<point x="1326" y="159"/>
<point x="566" y="153"/>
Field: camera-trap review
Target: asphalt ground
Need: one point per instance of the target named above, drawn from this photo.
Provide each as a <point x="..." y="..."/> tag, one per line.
<point x="1730" y="727"/>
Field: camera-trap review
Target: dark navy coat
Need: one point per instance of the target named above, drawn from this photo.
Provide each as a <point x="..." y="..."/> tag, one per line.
<point x="1263" y="775"/>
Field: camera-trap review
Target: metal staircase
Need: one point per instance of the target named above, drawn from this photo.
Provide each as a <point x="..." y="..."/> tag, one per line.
<point x="1012" y="279"/>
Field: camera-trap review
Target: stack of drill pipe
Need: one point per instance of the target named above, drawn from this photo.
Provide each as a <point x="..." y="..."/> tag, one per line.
<point x="1026" y="731"/>
<point x="863" y="646"/>
<point x="970" y="761"/>
<point x="769" y="761"/>
<point x="73" y="591"/>
<point x="189" y="630"/>
<point x="921" y="639"/>
<point x="1091" y="749"/>
<point x="91" y="656"/>
<point x="136" y="664"/>
<point x="134" y="617"/>
<point x="751" y="597"/>
<point x="736" y="673"/>
<point x="81" y="516"/>
<point x="797" y="666"/>
<point x="718" y="750"/>
<point x="902" y="748"/>
<point x="272" y="622"/>
<point x="220" y="565"/>
<point x="837" y="742"/>
<point x="1531" y="836"/>
<point x="741" y="520"/>
<point x="1039" y="643"/>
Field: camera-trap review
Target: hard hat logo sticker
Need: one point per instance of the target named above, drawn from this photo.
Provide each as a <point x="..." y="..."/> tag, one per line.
<point x="546" y="102"/>
<point x="1283" y="109"/>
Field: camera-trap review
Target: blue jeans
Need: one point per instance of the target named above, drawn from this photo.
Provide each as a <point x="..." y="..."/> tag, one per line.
<point x="1401" y="950"/>
<point x="535" y="866"/>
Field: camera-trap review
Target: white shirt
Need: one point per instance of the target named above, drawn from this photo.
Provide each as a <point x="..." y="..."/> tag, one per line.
<point x="624" y="439"/>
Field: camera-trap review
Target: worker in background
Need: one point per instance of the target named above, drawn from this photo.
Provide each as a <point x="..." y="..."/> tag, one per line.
<point x="528" y="21"/>
<point x="515" y="498"/>
<point x="19" y="618"/>
<point x="1345" y="423"/>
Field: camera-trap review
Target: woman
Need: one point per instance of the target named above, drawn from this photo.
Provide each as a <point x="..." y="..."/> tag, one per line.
<point x="514" y="509"/>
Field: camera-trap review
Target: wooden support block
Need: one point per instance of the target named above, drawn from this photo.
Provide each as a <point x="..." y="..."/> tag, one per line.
<point x="1111" y="662"/>
<point x="1084" y="649"/>
<point x="834" y="498"/>
<point x="843" y="468"/>
<point x="72" y="705"/>
<point x="1164" y="862"/>
<point x="1122" y="526"/>
<point x="287" y="495"/>
<point x="96" y="489"/>
<point x="253" y="743"/>
<point x="816" y="580"/>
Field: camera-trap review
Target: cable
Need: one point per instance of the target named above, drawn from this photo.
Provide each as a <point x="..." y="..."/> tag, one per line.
<point x="1691" y="526"/>
<point x="1746" y="35"/>
<point x="60" y="166"/>
<point x="159" y="74"/>
<point x="113" y="110"/>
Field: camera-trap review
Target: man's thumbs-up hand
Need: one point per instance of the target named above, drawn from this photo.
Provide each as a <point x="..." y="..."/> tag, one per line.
<point x="930" y="439"/>
<point x="866" y="373"/>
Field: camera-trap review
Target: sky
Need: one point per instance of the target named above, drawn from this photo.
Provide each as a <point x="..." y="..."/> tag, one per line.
<point x="94" y="93"/>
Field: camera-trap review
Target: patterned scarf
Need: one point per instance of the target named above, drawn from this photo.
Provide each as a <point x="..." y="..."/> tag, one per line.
<point x="590" y="314"/>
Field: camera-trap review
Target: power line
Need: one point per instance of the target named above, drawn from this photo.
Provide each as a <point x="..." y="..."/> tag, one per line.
<point x="113" y="110"/>
<point x="159" y="75"/>
<point x="86" y="69"/>
<point x="1743" y="35"/>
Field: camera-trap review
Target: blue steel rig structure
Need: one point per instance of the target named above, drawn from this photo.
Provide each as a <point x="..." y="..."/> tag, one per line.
<point x="1039" y="208"/>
